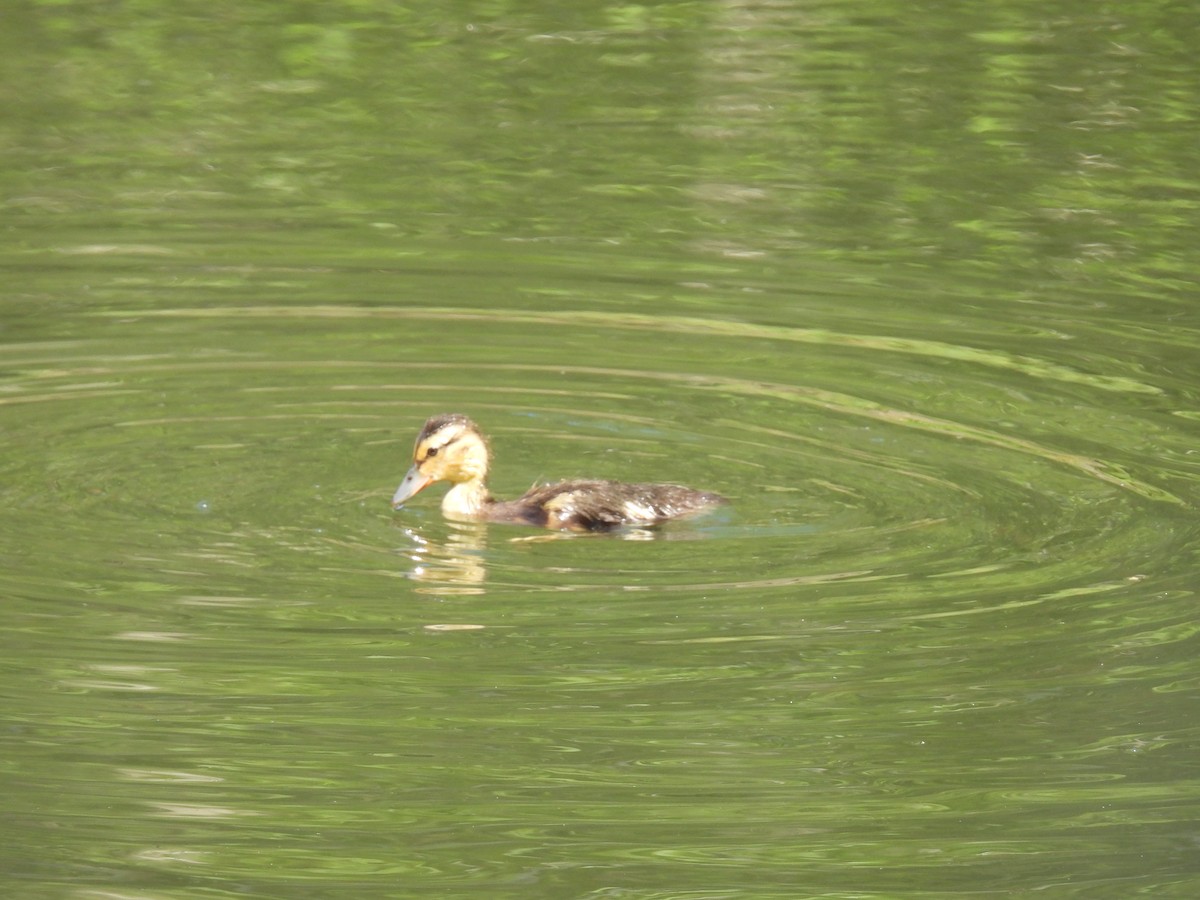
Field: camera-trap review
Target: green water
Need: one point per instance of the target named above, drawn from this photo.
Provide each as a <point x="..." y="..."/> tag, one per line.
<point x="915" y="287"/>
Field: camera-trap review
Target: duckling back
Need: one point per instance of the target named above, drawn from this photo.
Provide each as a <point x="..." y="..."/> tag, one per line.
<point x="604" y="505"/>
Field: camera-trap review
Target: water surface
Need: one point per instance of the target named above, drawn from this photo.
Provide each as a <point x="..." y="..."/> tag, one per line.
<point x="913" y="287"/>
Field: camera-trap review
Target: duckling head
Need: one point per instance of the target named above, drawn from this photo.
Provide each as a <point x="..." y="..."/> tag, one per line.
<point x="450" y="448"/>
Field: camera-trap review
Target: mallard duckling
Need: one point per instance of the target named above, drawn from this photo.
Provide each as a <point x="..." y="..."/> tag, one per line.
<point x="452" y="448"/>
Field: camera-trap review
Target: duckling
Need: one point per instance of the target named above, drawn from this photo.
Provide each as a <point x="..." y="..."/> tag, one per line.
<point x="451" y="448"/>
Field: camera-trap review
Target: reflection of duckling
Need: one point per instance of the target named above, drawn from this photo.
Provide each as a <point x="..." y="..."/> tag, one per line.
<point x="451" y="448"/>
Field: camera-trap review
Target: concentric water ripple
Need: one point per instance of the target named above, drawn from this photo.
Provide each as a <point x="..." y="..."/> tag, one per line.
<point x="829" y="486"/>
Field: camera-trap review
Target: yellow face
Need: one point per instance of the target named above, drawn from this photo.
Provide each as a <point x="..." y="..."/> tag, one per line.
<point x="449" y="448"/>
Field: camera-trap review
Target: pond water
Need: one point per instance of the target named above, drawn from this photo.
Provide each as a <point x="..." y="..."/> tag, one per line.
<point x="914" y="287"/>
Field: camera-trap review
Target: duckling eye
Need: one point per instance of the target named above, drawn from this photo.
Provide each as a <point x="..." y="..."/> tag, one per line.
<point x="432" y="451"/>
